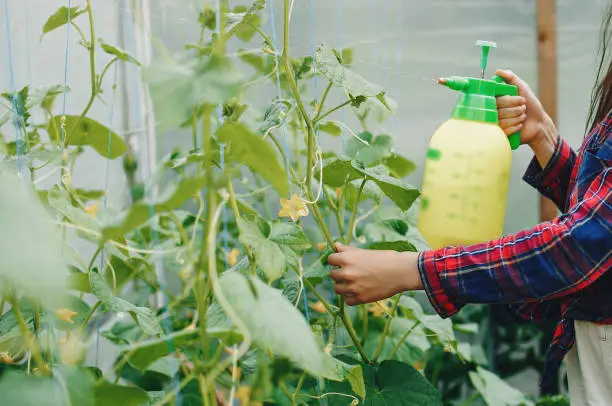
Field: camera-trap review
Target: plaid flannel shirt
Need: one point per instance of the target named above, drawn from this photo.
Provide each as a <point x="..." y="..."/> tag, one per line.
<point x="556" y="270"/>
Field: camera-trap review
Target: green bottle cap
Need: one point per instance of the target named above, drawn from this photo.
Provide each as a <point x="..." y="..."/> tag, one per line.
<point x="477" y="98"/>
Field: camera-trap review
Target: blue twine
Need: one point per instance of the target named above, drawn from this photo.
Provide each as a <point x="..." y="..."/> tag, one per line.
<point x="278" y="88"/>
<point x="66" y="52"/>
<point x="16" y="113"/>
<point x="225" y="233"/>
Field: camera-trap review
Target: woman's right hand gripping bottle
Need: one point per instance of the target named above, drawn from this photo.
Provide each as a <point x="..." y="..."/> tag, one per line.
<point x="467" y="169"/>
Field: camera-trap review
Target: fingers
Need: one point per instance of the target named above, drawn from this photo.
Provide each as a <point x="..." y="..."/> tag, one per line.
<point x="513" y="129"/>
<point x="507" y="110"/>
<point x="513" y="79"/>
<point x="344" y="248"/>
<point x="512" y="122"/>
<point x="337" y="259"/>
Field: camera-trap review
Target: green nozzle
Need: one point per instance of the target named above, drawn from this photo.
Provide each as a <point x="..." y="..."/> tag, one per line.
<point x="486" y="46"/>
<point x="476" y="101"/>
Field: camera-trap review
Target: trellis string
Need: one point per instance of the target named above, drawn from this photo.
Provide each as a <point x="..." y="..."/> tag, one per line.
<point x="65" y="90"/>
<point x="15" y="109"/>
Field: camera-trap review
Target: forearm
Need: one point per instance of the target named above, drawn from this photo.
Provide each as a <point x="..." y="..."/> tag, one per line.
<point x="549" y="261"/>
<point x="544" y="144"/>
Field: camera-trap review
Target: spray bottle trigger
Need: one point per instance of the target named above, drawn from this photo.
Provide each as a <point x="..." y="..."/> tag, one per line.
<point x="505" y="89"/>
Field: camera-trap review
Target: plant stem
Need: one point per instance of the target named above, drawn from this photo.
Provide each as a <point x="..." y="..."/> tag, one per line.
<point x="223" y="301"/>
<point x="263" y="35"/>
<point x="298" y="99"/>
<point x="322" y="102"/>
<point x="350" y="230"/>
<point x="383" y="337"/>
<point x="326" y="304"/>
<point x="194" y="129"/>
<point x="287" y="393"/>
<point x="92" y="70"/>
<point x="364" y="330"/>
<point x="234" y="205"/>
<point x="339" y="220"/>
<point x="76" y="27"/>
<point x="321" y="222"/>
<point x="331" y="111"/>
<point x="352" y="334"/>
<point x="106" y="68"/>
<point x="211" y="207"/>
<point x="95" y="255"/>
<point x="33" y="346"/>
<point x="90" y="314"/>
<point x="170" y="395"/>
<point x="402" y="339"/>
<point x="294" y="176"/>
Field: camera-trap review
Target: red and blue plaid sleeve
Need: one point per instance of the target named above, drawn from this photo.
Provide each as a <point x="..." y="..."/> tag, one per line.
<point x="551" y="260"/>
<point x="553" y="180"/>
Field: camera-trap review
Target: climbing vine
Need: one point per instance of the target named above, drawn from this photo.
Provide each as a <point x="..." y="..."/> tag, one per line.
<point x="215" y="289"/>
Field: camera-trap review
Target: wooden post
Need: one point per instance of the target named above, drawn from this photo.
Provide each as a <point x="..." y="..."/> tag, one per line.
<point x="547" y="77"/>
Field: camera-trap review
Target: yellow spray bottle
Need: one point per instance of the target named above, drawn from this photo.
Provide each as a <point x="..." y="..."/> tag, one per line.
<point x="467" y="168"/>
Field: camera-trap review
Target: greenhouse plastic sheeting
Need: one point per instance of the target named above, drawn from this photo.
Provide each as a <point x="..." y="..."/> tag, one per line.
<point x="400" y="44"/>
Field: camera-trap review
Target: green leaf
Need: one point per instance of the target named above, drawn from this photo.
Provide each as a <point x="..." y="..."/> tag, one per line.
<point x="143" y="354"/>
<point x="168" y="366"/>
<point x="341" y="170"/>
<point x="41" y="275"/>
<point x="331" y="128"/>
<point x="78" y="281"/>
<point x="90" y="133"/>
<point x="142" y="211"/>
<point x="109" y="394"/>
<point x="370" y="191"/>
<point x="248" y="148"/>
<point x="399" y="167"/>
<point x="273" y="322"/>
<point x="353" y="374"/>
<point x="291" y="235"/>
<point x="242" y="20"/>
<point x="410" y="339"/>
<point x="73" y="386"/>
<point x="45" y="96"/>
<point x="268" y="255"/>
<point x="389" y="230"/>
<point x="61" y="201"/>
<point x="120" y="54"/>
<point x="329" y="66"/>
<point x="61" y="17"/>
<point x="376" y="149"/>
<point x="145" y="317"/>
<point x="442" y="328"/>
<point x="261" y="63"/>
<point x="374" y="107"/>
<point x="178" y="87"/>
<point x="390" y="383"/>
<point x="495" y="391"/>
<point x="275" y="115"/>
<point x="19" y="103"/>
<point x="402" y="194"/>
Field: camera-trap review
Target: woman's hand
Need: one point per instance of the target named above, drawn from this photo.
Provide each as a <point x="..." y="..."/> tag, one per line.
<point x="525" y="113"/>
<point x="365" y="276"/>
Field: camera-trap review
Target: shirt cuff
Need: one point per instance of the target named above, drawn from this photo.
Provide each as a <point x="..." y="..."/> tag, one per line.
<point x="432" y="284"/>
<point x="543" y="179"/>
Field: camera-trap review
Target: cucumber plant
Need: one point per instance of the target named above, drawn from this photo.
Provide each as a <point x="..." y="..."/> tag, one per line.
<point x="216" y="288"/>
